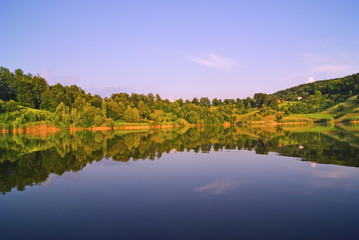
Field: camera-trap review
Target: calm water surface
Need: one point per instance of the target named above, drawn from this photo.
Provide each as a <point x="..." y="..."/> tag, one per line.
<point x="212" y="183"/>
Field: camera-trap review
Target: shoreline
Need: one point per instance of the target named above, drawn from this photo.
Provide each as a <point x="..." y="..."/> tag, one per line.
<point x="51" y="129"/>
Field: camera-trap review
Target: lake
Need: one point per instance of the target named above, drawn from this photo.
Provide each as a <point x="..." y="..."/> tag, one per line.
<point x="198" y="183"/>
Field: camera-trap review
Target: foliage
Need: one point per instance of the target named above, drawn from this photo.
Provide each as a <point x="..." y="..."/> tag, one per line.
<point x="278" y="117"/>
<point x="30" y="159"/>
<point x="70" y="106"/>
<point x="333" y="92"/>
<point x="131" y="115"/>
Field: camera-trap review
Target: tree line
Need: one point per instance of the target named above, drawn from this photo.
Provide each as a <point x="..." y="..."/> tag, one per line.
<point x="69" y="106"/>
<point x="72" y="106"/>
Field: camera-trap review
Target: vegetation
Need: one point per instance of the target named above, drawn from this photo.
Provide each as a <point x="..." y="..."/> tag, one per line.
<point x="29" y="101"/>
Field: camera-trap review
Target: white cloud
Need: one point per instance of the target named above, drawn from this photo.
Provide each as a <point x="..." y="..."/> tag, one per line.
<point x="310" y="79"/>
<point x="64" y="80"/>
<point x="215" y="61"/>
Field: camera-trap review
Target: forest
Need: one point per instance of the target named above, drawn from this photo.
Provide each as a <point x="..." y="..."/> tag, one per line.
<point x="28" y="101"/>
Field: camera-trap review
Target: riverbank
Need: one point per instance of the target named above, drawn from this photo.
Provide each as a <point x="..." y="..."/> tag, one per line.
<point x="48" y="128"/>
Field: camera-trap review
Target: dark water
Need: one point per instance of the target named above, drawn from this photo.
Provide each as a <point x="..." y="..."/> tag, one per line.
<point x="211" y="183"/>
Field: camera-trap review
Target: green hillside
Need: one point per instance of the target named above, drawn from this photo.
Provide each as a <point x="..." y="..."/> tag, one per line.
<point x="337" y="89"/>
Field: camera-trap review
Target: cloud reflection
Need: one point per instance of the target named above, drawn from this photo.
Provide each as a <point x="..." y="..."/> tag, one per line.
<point x="217" y="187"/>
<point x="72" y="176"/>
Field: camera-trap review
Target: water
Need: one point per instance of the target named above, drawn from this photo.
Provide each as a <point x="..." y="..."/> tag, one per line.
<point x="211" y="183"/>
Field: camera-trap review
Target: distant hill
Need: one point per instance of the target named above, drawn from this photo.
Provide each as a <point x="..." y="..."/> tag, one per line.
<point x="337" y="90"/>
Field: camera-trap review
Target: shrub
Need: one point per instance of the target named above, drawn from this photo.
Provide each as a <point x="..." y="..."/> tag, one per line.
<point x="181" y="122"/>
<point x="295" y="120"/>
<point x="109" y="123"/>
<point x="351" y="119"/>
<point x="340" y="108"/>
<point x="325" y="120"/>
<point x="278" y="117"/>
<point x="131" y="115"/>
<point x="98" y="120"/>
<point x="11" y="106"/>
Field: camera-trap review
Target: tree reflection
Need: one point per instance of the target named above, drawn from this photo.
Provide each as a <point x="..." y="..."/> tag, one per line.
<point x="27" y="160"/>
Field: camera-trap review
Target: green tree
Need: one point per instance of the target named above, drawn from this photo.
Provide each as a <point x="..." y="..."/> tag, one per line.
<point x="204" y="102"/>
<point x="114" y="110"/>
<point x="215" y="102"/>
<point x="239" y="104"/>
<point x="61" y="116"/>
<point x="144" y="110"/>
<point x="131" y="115"/>
<point x="11" y="106"/>
<point x="91" y="116"/>
<point x="192" y="117"/>
<point x="318" y="98"/>
<point x="248" y="105"/>
<point x="96" y="101"/>
<point x="260" y="99"/>
<point x="195" y="101"/>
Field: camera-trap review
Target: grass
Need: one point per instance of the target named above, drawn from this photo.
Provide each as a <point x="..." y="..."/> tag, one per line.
<point x="295" y="120"/>
<point x="122" y="123"/>
<point x="313" y="115"/>
<point x="310" y="128"/>
<point x="351" y="110"/>
<point x="351" y="119"/>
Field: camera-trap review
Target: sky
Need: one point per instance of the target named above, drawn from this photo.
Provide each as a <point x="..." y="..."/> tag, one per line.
<point x="181" y="49"/>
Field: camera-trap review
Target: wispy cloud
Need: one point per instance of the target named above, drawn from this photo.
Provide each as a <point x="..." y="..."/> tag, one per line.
<point x="328" y="70"/>
<point x="64" y="80"/>
<point x="72" y="176"/>
<point x="217" y="187"/>
<point x="332" y="69"/>
<point x="215" y="61"/>
<point x="106" y="91"/>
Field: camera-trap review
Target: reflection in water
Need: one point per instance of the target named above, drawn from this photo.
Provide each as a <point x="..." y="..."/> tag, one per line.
<point x="72" y="176"/>
<point x="26" y="160"/>
<point x="217" y="187"/>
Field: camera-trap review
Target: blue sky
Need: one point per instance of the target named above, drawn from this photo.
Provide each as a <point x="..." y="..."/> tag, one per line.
<point x="223" y="49"/>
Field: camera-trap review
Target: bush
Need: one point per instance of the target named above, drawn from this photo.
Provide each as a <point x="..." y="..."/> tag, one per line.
<point x="325" y="120"/>
<point x="98" y="120"/>
<point x="131" y="115"/>
<point x="351" y="119"/>
<point x="181" y="122"/>
<point x="31" y="116"/>
<point x="278" y="117"/>
<point x="192" y="117"/>
<point x="295" y="120"/>
<point x="108" y="123"/>
<point x="340" y="108"/>
<point x="11" y="106"/>
<point x="2" y="106"/>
